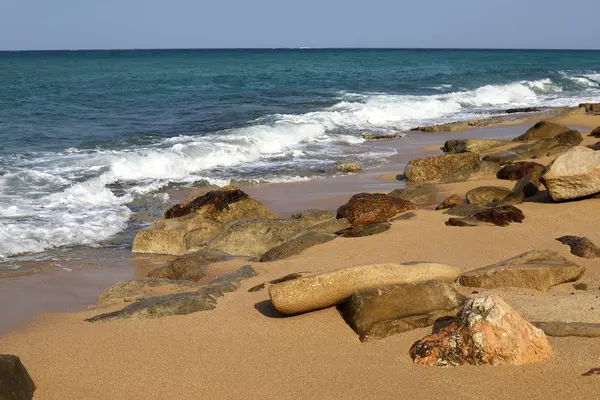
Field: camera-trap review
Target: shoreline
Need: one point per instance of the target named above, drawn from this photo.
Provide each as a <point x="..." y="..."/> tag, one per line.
<point x="93" y="269"/>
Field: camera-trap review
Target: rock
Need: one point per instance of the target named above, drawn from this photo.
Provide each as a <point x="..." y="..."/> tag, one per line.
<point x="569" y="138"/>
<point x="15" y="382"/>
<point x="516" y="197"/>
<point x="463" y="222"/>
<point x="257" y="288"/>
<point x="451" y="201"/>
<point x="347" y="167"/>
<point x="254" y="237"/>
<point x="423" y="195"/>
<point x="390" y="327"/>
<point x="573" y="175"/>
<point x="374" y="306"/>
<point x="595" y="146"/>
<point x="333" y="226"/>
<point x="581" y="246"/>
<point x="296" y="246"/>
<point x="365" y="230"/>
<point x="450" y="127"/>
<point x="536" y="149"/>
<point x="289" y="277"/>
<point x="590" y="107"/>
<point x="192" y="267"/>
<point x="505" y="157"/>
<point x="332" y="288"/>
<point x="542" y="130"/>
<point x="203" y="299"/>
<point x="141" y="288"/>
<point x="528" y="185"/>
<point x="190" y="225"/>
<point x="437" y="168"/>
<point x="596" y="132"/>
<point x="485" y="331"/>
<point x="592" y="372"/>
<point x="523" y="110"/>
<point x="556" y="150"/>
<point x="487" y="194"/>
<point x="312" y="217"/>
<point x="472" y="145"/>
<point x="500" y="216"/>
<point x="515" y="171"/>
<point x="465" y="210"/>
<point x="564" y="329"/>
<point x="538" y="269"/>
<point x="368" y="208"/>
<point x="580" y="286"/>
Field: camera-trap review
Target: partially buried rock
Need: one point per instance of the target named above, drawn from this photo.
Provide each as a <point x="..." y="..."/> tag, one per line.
<point x="465" y="210"/>
<point x="188" y="226"/>
<point x="319" y="291"/>
<point x="596" y="132"/>
<point x="368" y="208"/>
<point x="595" y="146"/>
<point x="289" y="277"/>
<point x="528" y="185"/>
<point x="203" y="299"/>
<point x="517" y="170"/>
<point x="451" y="201"/>
<point x="423" y="195"/>
<point x="485" y="331"/>
<point x="564" y="329"/>
<point x="142" y="288"/>
<point x="487" y="194"/>
<point x="312" y="217"/>
<point x="437" y="168"/>
<point x="254" y="237"/>
<point x="332" y="226"/>
<point x="542" y="130"/>
<point x="471" y="145"/>
<point x="580" y="246"/>
<point x="500" y="216"/>
<point x="373" y="313"/>
<point x="349" y="167"/>
<point x="191" y="266"/>
<point x="538" y="269"/>
<point x="569" y="138"/>
<point x="573" y="175"/>
<point x="365" y="230"/>
<point x="15" y="382"/>
<point x="296" y="246"/>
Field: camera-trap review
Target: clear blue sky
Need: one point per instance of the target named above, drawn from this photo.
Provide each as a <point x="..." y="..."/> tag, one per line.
<point x="102" y="24"/>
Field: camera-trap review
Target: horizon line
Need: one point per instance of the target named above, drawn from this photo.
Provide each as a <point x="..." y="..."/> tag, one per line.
<point x="295" y="48"/>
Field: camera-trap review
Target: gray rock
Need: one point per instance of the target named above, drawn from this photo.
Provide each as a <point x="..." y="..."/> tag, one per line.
<point x="423" y="195"/>
<point x="296" y="246"/>
<point x="365" y="230"/>
<point x="538" y="269"/>
<point x="569" y="138"/>
<point x="581" y="246"/>
<point x="487" y="194"/>
<point x="239" y="275"/>
<point x="564" y="329"/>
<point x="332" y="226"/>
<point x="141" y="288"/>
<point x="471" y="145"/>
<point x="556" y="150"/>
<point x="528" y="185"/>
<point x="437" y="168"/>
<point x="369" y="307"/>
<point x="192" y="267"/>
<point x="542" y="130"/>
<point x="312" y="217"/>
<point x="15" y="382"/>
<point x="451" y="201"/>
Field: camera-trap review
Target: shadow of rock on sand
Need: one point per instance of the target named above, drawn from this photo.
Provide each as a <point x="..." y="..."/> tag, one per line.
<point x="267" y="309"/>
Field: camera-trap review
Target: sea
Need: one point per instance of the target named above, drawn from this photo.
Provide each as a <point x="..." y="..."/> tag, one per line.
<point x="88" y="139"/>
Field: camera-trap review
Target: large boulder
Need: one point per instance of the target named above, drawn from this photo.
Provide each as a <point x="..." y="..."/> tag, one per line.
<point x="517" y="170"/>
<point x="472" y="145"/>
<point x="367" y="208"/>
<point x="569" y="138"/>
<point x="296" y="246"/>
<point x="15" y="382"/>
<point x="487" y="194"/>
<point x="142" y="288"/>
<point x="184" y="303"/>
<point x="581" y="246"/>
<point x="437" y="168"/>
<point x="485" y="331"/>
<point x="542" y="130"/>
<point x="192" y="267"/>
<point x="573" y="175"/>
<point x="254" y="237"/>
<point x="319" y="291"/>
<point x="538" y="269"/>
<point x="190" y="225"/>
<point x="372" y="312"/>
<point x="423" y="195"/>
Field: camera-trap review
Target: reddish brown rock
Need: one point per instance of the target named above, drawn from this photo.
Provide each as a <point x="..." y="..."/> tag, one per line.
<point x="368" y="208"/>
<point x="485" y="331"/>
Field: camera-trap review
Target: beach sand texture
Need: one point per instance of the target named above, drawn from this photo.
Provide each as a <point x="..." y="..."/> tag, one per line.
<point x="245" y="350"/>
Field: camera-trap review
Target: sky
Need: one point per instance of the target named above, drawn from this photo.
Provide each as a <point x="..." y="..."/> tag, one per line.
<point x="124" y="24"/>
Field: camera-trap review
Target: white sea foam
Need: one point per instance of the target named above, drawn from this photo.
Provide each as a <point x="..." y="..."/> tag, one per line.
<point x="60" y="199"/>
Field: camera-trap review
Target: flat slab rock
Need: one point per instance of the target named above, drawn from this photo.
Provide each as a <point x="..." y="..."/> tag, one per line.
<point x="296" y="246"/>
<point x="15" y="382"/>
<point x="203" y="299"/>
<point x="564" y="329"/>
<point x="501" y="215"/>
<point x="383" y="311"/>
<point x="538" y="269"/>
<point x="487" y="194"/>
<point x="142" y="288"/>
<point x="192" y="267"/>
<point x="325" y="290"/>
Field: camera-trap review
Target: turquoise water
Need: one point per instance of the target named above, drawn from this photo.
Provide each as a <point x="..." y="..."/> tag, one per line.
<point x="84" y="135"/>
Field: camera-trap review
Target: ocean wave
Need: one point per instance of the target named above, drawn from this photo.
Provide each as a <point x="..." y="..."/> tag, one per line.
<point x="58" y="199"/>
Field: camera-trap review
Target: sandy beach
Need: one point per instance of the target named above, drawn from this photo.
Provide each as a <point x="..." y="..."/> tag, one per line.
<point x="244" y="349"/>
